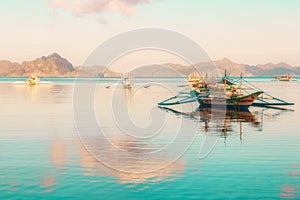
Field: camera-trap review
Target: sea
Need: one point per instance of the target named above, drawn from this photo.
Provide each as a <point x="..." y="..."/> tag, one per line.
<point x="88" y="138"/>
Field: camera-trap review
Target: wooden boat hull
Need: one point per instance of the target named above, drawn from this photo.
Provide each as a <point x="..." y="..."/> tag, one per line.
<point x="238" y="103"/>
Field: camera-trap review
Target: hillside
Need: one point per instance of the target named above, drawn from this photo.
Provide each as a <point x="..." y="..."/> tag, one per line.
<point x="55" y="65"/>
<point x="52" y="65"/>
<point x="97" y="71"/>
<point x="235" y="69"/>
<point x="216" y="68"/>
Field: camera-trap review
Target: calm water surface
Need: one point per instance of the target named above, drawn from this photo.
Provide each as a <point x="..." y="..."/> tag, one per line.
<point x="42" y="157"/>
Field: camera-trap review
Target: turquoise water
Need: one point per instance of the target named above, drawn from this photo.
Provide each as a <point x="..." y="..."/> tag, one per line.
<point x="43" y="157"/>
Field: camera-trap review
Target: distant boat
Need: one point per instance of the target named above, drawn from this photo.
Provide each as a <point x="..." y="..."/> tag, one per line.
<point x="197" y="89"/>
<point x="127" y="82"/>
<point x="199" y="86"/>
<point x="283" y="78"/>
<point x="33" y="80"/>
<point x="195" y="79"/>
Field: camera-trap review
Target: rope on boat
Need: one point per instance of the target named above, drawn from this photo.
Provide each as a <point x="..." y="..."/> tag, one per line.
<point x="263" y="99"/>
<point x="258" y="89"/>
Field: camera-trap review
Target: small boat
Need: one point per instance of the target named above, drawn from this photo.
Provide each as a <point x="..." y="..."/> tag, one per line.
<point x="283" y="78"/>
<point x="33" y="80"/>
<point x="195" y="79"/>
<point x="198" y="85"/>
<point x="127" y="82"/>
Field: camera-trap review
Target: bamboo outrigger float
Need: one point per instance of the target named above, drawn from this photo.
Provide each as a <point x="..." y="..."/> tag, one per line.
<point x="183" y="98"/>
<point x="238" y="94"/>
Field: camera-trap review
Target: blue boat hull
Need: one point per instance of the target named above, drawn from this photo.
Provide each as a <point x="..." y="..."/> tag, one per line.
<point x="235" y="103"/>
<point x="228" y="107"/>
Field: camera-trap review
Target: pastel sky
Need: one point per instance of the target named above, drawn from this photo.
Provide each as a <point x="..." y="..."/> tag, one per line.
<point x="248" y="31"/>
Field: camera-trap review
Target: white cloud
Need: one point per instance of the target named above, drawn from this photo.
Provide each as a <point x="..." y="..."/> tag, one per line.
<point x="89" y="7"/>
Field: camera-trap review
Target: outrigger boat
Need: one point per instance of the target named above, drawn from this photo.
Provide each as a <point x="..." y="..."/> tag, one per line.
<point x="127" y="83"/>
<point x="33" y="80"/>
<point x="283" y="78"/>
<point x="195" y="79"/>
<point x="228" y="93"/>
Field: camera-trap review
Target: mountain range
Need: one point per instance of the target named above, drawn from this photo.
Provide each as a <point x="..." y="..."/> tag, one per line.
<point x="52" y="65"/>
<point x="55" y="65"/>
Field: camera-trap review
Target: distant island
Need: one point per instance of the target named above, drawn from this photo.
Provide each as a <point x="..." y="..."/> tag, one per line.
<point x="52" y="65"/>
<point x="56" y="65"/>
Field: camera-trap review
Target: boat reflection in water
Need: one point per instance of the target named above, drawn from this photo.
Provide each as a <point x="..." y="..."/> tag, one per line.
<point x="230" y="123"/>
<point x="232" y="117"/>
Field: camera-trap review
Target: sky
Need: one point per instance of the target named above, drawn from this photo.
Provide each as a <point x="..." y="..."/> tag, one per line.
<point x="248" y="31"/>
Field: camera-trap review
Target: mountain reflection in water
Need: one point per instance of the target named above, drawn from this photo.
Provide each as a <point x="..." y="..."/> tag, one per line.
<point x="90" y="166"/>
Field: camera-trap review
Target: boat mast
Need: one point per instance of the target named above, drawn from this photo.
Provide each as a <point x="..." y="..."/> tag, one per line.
<point x="241" y="83"/>
<point x="225" y="83"/>
<point x="225" y="79"/>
